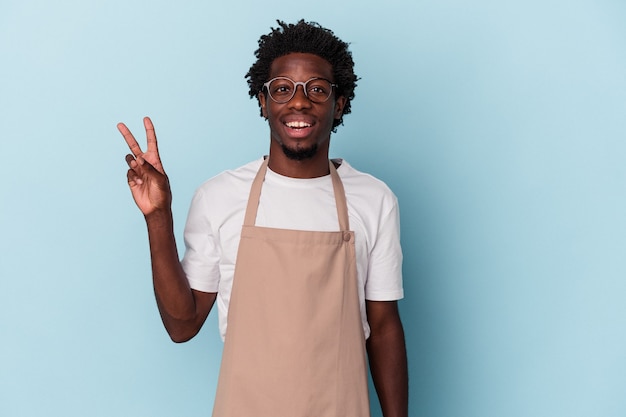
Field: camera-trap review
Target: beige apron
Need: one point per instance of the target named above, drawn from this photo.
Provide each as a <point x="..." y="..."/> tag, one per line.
<point x="294" y="344"/>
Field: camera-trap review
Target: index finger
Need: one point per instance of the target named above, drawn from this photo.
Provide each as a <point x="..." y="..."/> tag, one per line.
<point x="130" y="139"/>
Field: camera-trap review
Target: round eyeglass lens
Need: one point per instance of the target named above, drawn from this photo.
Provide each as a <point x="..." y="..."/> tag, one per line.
<point x="282" y="89"/>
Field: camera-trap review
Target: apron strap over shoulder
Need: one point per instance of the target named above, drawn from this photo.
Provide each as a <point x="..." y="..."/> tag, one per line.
<point x="340" y="199"/>
<point x="255" y="195"/>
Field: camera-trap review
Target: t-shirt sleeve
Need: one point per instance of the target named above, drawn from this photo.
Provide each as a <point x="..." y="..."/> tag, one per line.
<point x="201" y="259"/>
<point x="384" y="275"/>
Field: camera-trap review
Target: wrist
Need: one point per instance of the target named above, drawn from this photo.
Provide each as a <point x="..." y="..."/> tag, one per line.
<point x="159" y="219"/>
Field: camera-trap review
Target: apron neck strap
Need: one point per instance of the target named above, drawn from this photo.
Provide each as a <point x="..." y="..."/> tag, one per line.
<point x="257" y="184"/>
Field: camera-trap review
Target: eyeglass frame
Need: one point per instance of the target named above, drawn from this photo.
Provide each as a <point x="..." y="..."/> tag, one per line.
<point x="266" y="86"/>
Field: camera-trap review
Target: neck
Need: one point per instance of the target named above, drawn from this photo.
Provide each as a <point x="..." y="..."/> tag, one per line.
<point x="313" y="167"/>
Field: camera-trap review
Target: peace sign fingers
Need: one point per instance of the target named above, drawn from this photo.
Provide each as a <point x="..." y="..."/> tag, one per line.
<point x="146" y="178"/>
<point x="152" y="153"/>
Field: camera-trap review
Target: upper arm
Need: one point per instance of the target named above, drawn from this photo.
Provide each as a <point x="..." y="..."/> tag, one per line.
<point x="383" y="317"/>
<point x="201" y="259"/>
<point x="384" y="269"/>
<point x="386" y="352"/>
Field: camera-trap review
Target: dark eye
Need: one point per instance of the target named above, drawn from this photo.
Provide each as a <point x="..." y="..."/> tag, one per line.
<point x="318" y="88"/>
<point x="280" y="87"/>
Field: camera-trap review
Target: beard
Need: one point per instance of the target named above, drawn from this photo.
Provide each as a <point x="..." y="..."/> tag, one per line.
<point x="300" y="154"/>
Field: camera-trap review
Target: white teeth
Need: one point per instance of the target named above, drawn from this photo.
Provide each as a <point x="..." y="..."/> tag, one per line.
<point x="297" y="124"/>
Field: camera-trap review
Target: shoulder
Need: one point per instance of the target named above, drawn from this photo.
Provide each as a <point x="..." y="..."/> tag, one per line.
<point x="364" y="188"/>
<point x="220" y="196"/>
<point x="230" y="180"/>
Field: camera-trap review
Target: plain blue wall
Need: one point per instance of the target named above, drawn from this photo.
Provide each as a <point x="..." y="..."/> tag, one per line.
<point x="501" y="127"/>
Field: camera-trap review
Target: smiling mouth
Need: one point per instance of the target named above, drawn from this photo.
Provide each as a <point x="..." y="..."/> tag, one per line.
<point x="298" y="125"/>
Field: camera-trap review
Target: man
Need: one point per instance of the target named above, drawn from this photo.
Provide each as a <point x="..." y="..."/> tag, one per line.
<point x="301" y="253"/>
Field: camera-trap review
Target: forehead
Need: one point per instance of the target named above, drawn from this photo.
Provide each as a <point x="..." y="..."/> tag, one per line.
<point x="301" y="67"/>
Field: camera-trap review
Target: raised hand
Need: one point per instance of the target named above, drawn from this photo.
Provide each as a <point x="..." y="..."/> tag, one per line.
<point x="146" y="177"/>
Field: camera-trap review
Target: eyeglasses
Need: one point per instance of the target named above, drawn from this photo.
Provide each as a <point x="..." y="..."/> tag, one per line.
<point x="282" y="89"/>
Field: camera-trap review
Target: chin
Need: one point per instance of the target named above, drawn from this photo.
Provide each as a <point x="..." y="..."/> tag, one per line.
<point x="300" y="154"/>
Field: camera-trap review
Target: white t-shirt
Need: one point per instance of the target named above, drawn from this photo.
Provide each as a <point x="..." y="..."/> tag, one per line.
<point x="218" y="207"/>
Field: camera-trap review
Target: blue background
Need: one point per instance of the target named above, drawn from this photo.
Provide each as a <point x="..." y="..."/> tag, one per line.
<point x="500" y="125"/>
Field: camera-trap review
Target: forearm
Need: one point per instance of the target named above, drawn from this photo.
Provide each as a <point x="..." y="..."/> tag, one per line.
<point x="388" y="365"/>
<point x="170" y="284"/>
<point x="180" y="312"/>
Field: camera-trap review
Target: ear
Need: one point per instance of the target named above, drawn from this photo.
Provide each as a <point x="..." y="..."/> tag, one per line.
<point x="263" y="103"/>
<point x="340" y="102"/>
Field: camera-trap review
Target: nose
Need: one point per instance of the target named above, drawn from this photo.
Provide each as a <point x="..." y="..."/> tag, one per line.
<point x="299" y="99"/>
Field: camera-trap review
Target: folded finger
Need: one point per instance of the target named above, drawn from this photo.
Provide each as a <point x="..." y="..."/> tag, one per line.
<point x="133" y="178"/>
<point x="131" y="161"/>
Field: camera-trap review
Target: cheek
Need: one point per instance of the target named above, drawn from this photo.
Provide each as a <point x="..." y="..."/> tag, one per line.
<point x="268" y="111"/>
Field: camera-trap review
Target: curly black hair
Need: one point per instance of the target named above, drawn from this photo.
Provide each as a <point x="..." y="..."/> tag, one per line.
<point x="304" y="37"/>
